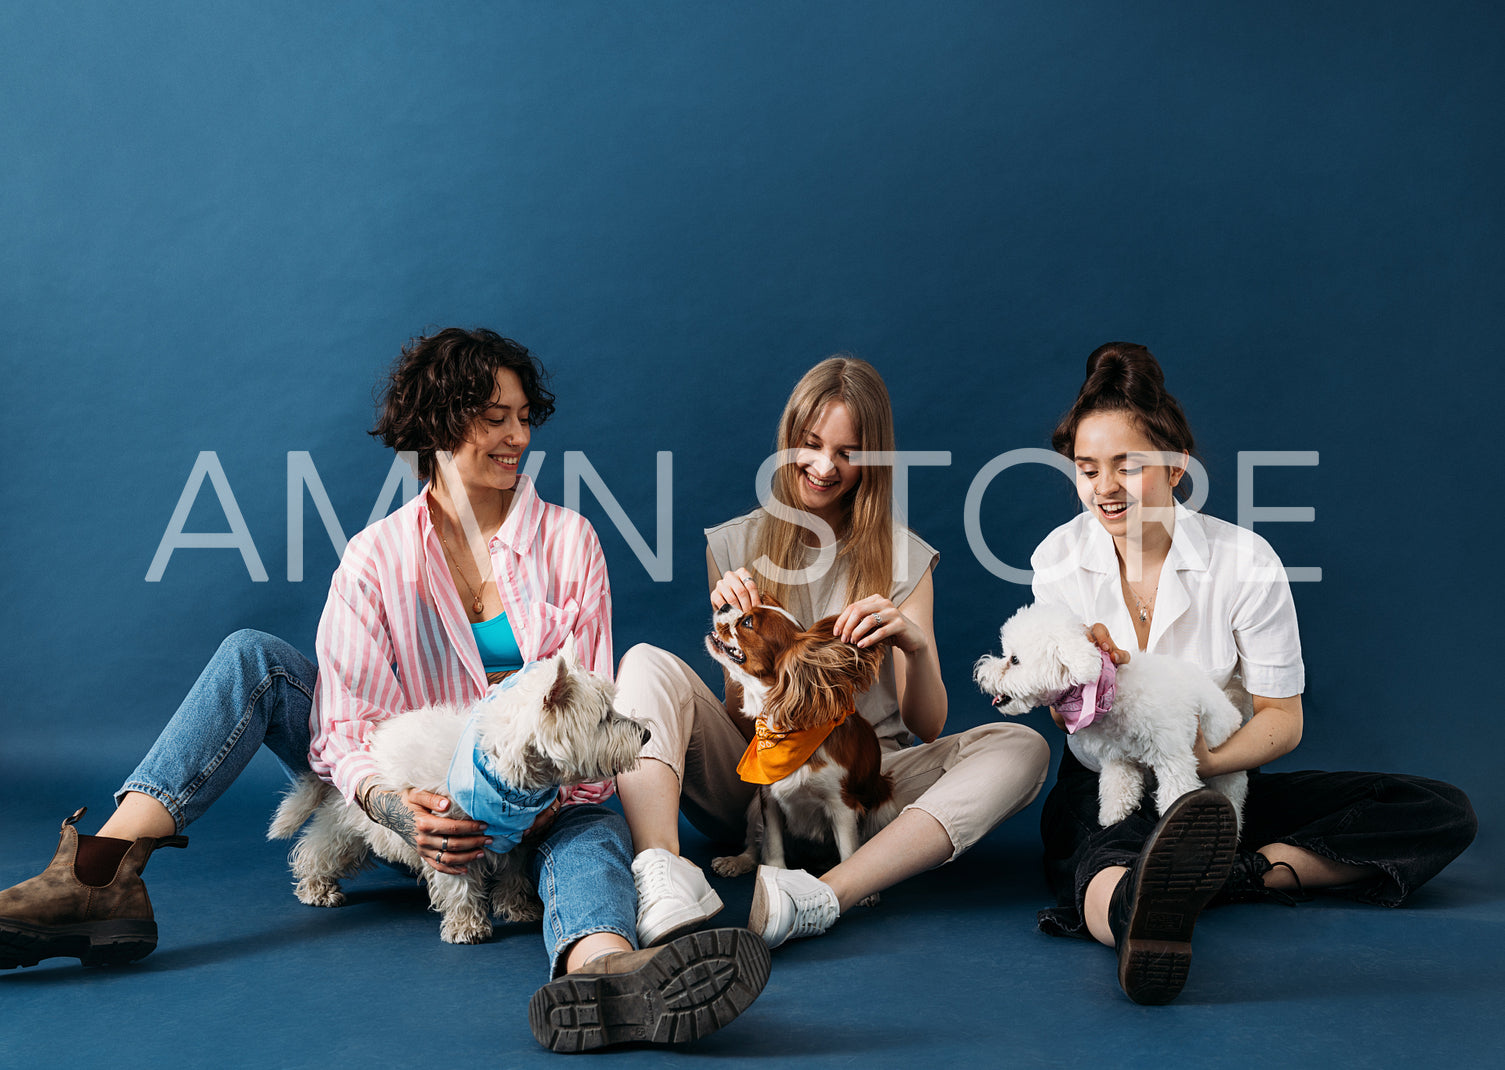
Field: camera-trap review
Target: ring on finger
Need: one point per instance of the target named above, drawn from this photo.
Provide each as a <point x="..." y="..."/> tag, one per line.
<point x="444" y="846"/>
<point x="440" y="858"/>
<point x="877" y="618"/>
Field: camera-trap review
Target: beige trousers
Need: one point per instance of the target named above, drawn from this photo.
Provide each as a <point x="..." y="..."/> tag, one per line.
<point x="969" y="782"/>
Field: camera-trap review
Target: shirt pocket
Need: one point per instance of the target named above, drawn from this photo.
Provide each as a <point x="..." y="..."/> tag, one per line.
<point x="545" y="628"/>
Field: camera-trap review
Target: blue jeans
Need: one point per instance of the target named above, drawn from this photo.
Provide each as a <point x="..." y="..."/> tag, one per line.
<point x="583" y="870"/>
<point x="258" y="690"/>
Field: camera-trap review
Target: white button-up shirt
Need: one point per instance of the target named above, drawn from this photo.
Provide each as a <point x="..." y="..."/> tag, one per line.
<point x="1223" y="602"/>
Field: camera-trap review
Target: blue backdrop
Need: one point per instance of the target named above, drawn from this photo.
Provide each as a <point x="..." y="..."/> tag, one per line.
<point x="220" y="221"/>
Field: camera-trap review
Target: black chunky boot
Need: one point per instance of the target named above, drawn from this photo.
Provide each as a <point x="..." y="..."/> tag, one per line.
<point x="1183" y="865"/>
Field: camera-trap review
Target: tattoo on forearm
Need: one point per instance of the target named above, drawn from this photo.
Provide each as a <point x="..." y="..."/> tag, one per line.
<point x="387" y="808"/>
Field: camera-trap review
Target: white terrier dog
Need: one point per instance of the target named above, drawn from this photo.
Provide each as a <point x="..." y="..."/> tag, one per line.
<point x="1141" y="715"/>
<point x="550" y="724"/>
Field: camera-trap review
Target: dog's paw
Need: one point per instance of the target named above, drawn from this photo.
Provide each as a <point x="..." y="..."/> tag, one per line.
<point x="517" y="908"/>
<point x="733" y="865"/>
<point x="526" y="914"/>
<point x="1111" y="813"/>
<point x="465" y="930"/>
<point x="319" y="892"/>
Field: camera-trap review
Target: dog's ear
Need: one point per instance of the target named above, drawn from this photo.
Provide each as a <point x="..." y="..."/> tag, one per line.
<point x="1075" y="653"/>
<point x="864" y="661"/>
<point x="558" y="694"/>
<point x="819" y="677"/>
<point x="571" y="655"/>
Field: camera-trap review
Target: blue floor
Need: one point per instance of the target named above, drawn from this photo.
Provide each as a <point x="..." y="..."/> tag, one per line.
<point x="948" y="967"/>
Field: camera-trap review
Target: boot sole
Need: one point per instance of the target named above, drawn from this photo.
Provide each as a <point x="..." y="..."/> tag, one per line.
<point x="95" y="943"/>
<point x="691" y="988"/>
<point x="1185" y="863"/>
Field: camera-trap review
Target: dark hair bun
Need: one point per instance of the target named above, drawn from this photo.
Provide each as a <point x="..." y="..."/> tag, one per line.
<point x="1126" y="377"/>
<point x="1125" y="368"/>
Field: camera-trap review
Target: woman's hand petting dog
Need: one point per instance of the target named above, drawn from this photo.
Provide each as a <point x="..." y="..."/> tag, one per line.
<point x="445" y="844"/>
<point x="736" y="588"/>
<point x="876" y="619"/>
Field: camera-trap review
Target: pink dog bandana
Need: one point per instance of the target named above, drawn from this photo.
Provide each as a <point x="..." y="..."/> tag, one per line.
<point x="1079" y="706"/>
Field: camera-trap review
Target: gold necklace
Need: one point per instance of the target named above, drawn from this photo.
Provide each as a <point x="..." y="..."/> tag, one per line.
<point x="475" y="594"/>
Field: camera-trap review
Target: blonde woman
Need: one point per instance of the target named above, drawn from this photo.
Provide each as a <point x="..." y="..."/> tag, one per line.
<point x="826" y="545"/>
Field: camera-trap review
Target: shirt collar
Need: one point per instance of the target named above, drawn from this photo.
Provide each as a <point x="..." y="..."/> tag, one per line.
<point x="521" y="526"/>
<point x="518" y="530"/>
<point x="1188" y="550"/>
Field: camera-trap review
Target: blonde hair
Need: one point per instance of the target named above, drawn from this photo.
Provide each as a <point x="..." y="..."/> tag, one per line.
<point x="867" y="536"/>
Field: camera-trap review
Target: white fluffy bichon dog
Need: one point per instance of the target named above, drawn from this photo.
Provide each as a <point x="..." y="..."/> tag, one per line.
<point x="502" y="761"/>
<point x="1128" y="718"/>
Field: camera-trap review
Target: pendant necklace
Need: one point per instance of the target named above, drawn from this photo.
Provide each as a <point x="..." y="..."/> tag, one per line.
<point x="475" y="593"/>
<point x="1144" y="608"/>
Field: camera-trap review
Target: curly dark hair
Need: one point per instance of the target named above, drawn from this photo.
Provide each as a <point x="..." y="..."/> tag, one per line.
<point x="442" y="383"/>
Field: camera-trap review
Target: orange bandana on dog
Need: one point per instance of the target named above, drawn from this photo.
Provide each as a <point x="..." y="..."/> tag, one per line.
<point x="772" y="756"/>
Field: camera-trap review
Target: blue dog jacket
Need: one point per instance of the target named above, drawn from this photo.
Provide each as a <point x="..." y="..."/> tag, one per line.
<point x="478" y="789"/>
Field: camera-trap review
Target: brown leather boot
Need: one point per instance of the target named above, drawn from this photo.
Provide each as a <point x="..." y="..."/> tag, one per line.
<point x="89" y="904"/>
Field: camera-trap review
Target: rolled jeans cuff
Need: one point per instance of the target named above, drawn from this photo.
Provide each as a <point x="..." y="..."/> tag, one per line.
<point x="560" y="948"/>
<point x="162" y="795"/>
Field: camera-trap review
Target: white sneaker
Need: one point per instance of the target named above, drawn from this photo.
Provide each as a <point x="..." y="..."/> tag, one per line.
<point x="789" y="903"/>
<point x="673" y="896"/>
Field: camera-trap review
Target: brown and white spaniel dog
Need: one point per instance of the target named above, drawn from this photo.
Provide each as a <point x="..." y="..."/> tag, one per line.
<point x="816" y="759"/>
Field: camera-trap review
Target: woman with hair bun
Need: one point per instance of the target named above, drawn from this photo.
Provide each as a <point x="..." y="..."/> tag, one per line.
<point x="1214" y="594"/>
<point x="953" y="789"/>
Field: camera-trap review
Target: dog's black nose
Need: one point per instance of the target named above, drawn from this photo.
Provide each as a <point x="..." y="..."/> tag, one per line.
<point x="724" y="607"/>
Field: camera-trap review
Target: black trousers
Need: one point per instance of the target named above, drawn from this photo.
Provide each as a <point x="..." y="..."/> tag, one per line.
<point x="1407" y="828"/>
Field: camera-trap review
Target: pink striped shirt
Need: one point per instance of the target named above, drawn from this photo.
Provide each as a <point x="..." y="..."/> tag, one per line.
<point x="394" y="635"/>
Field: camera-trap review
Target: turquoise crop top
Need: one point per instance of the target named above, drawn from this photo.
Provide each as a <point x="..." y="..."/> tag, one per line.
<point x="497" y="644"/>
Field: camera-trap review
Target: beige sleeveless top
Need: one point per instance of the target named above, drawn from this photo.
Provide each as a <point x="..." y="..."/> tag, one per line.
<point x="731" y="546"/>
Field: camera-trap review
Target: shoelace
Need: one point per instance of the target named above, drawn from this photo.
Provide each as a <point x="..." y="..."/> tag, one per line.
<point x="813" y="914"/>
<point x="1284" y="897"/>
<point x="655" y="879"/>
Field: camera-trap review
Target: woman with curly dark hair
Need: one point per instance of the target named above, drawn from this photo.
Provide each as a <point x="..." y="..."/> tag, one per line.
<point x="467" y="583"/>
